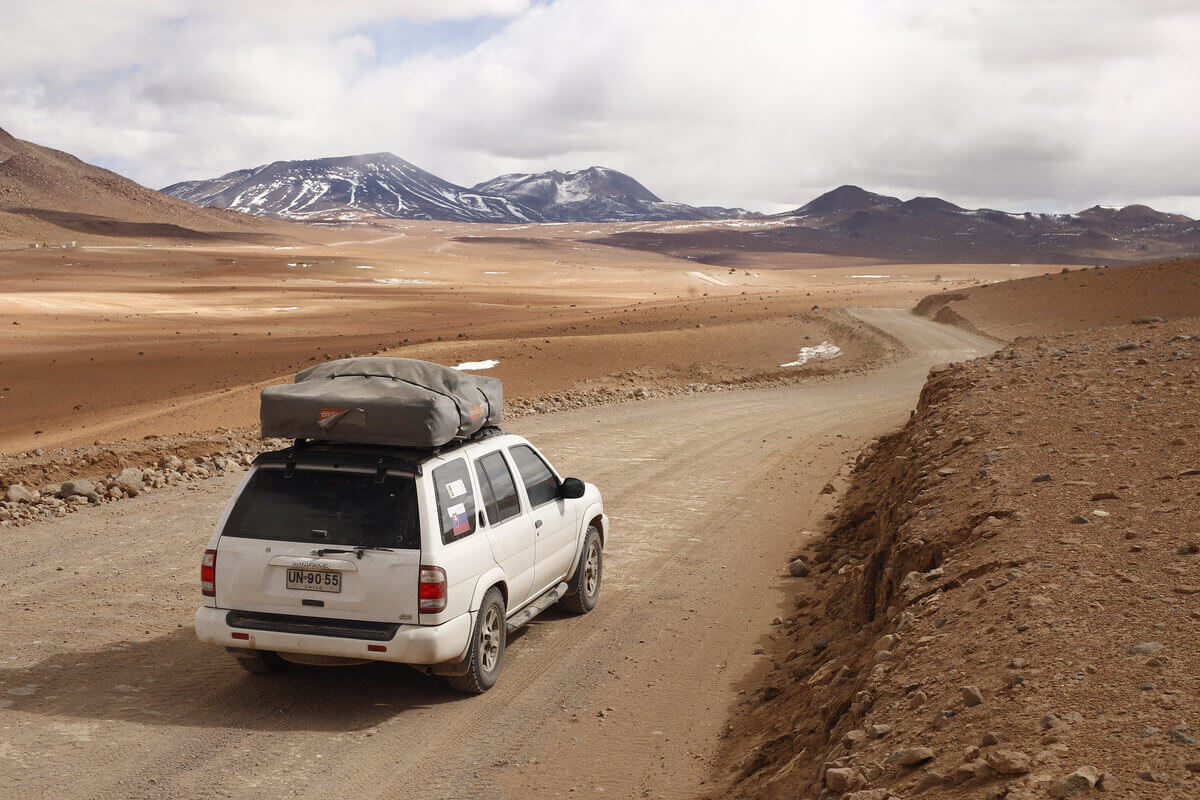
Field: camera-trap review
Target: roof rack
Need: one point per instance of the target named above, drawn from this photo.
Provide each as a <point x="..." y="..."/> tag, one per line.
<point x="372" y="456"/>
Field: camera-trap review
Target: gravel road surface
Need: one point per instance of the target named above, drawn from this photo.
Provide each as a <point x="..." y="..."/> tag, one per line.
<point x="105" y="693"/>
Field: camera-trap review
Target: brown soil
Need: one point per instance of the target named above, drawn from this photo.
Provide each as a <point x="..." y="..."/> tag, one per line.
<point x="142" y="338"/>
<point x="949" y="567"/>
<point x="106" y="693"/>
<point x="1071" y="299"/>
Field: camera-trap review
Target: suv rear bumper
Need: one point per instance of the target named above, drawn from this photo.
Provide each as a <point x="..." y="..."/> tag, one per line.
<point x="412" y="644"/>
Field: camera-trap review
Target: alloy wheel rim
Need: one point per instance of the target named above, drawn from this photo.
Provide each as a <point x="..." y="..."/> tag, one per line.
<point x="489" y="640"/>
<point x="591" y="574"/>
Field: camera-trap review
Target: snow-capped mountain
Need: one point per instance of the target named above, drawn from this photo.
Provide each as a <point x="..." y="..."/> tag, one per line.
<point x="346" y="189"/>
<point x="595" y="194"/>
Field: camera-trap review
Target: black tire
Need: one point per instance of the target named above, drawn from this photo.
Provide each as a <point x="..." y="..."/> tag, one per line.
<point x="262" y="662"/>
<point x="583" y="590"/>
<point x="486" y="654"/>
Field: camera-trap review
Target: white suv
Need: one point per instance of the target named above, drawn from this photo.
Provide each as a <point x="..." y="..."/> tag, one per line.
<point x="341" y="553"/>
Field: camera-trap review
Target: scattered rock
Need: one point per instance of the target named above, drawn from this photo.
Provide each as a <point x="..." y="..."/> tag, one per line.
<point x="969" y="770"/>
<point x="879" y="731"/>
<point x="1041" y="478"/>
<point x="19" y="494"/>
<point x="841" y="779"/>
<point x="911" y="756"/>
<point x="1145" y="648"/>
<point x="80" y="486"/>
<point x="1179" y="735"/>
<point x="1081" y="781"/>
<point x="852" y="738"/>
<point x="798" y="569"/>
<point x="1079" y="519"/>
<point x="992" y="737"/>
<point x="871" y="794"/>
<point x="1008" y="762"/>
<point x="1127" y="347"/>
<point x="130" y="480"/>
<point x="929" y="780"/>
<point x="971" y="696"/>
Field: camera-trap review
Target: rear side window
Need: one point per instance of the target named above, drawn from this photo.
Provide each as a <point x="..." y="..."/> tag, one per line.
<point x="499" y="491"/>
<point x="324" y="507"/>
<point x="540" y="483"/>
<point x="455" y="499"/>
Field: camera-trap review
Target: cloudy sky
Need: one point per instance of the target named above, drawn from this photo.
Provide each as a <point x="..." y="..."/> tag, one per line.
<point x="1012" y="104"/>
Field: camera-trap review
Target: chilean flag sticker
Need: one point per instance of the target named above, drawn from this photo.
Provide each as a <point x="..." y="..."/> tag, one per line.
<point x="460" y="523"/>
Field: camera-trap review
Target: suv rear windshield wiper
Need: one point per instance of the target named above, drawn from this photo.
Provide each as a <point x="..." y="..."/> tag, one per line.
<point x="357" y="551"/>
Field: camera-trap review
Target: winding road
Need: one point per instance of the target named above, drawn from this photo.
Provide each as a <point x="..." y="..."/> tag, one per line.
<point x="105" y="692"/>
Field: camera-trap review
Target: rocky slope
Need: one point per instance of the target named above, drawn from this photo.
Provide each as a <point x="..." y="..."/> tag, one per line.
<point x="851" y="221"/>
<point x="346" y="189"/>
<point x="595" y="194"/>
<point x="1007" y="602"/>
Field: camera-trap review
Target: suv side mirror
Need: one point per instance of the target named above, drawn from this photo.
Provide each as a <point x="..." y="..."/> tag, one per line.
<point x="571" y="489"/>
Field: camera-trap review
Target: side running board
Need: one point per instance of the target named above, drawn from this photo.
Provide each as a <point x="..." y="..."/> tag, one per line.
<point x="536" y="607"/>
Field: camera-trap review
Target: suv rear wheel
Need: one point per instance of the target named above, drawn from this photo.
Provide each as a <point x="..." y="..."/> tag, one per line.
<point x="486" y="654"/>
<point x="584" y="587"/>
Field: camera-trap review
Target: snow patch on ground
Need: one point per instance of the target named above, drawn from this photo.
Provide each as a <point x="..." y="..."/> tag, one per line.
<point x="285" y="308"/>
<point x="363" y="266"/>
<point x="477" y="365"/>
<point x="822" y="352"/>
<point x="870" y="276"/>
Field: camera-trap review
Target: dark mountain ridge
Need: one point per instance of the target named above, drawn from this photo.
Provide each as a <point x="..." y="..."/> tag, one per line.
<point x="851" y="221"/>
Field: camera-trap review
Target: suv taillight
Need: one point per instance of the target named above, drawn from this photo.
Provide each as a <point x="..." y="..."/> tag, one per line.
<point x="208" y="574"/>
<point x="431" y="591"/>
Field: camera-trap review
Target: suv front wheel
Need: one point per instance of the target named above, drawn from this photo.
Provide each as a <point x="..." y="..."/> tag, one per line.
<point x="584" y="588"/>
<point x="486" y="654"/>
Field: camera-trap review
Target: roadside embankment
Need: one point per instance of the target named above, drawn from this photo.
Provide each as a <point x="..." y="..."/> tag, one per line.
<point x="1007" y="601"/>
<point x="1072" y="299"/>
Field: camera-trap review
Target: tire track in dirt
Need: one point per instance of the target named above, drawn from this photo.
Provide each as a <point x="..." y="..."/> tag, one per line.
<point x="708" y="495"/>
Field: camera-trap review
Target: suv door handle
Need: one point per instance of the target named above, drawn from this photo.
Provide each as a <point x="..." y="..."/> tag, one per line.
<point x="537" y="523"/>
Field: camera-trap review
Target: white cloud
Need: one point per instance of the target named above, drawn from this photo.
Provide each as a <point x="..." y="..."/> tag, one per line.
<point x="764" y="103"/>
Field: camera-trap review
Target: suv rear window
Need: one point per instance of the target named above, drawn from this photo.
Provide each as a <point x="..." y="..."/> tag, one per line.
<point x="328" y="507"/>
<point x="540" y="483"/>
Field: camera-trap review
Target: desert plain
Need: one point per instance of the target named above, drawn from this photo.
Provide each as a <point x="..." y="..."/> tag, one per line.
<point x="712" y="666"/>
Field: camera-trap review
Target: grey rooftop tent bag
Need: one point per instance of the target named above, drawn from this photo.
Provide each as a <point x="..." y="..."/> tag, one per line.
<point x="396" y="401"/>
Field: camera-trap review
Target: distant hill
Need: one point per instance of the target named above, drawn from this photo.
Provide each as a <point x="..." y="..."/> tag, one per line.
<point x="348" y="188"/>
<point x="48" y="195"/>
<point x="595" y="194"/>
<point x="852" y="221"/>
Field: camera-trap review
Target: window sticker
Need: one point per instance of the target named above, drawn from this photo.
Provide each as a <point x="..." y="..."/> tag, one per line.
<point x="456" y="489"/>
<point x="460" y="523"/>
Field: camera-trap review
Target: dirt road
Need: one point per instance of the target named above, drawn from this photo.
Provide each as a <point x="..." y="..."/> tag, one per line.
<point x="104" y="692"/>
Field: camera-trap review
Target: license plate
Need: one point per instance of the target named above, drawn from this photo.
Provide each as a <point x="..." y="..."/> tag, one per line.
<point x="314" y="580"/>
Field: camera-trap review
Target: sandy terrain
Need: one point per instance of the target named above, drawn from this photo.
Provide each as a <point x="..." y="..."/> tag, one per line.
<point x="1085" y="298"/>
<point x="1011" y="584"/>
<point x="122" y="341"/>
<point x="108" y="695"/>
